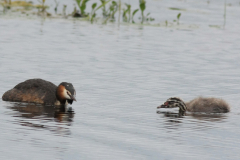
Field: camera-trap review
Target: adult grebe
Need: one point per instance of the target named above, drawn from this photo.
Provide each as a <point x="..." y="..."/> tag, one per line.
<point x="200" y="104"/>
<point x="41" y="91"/>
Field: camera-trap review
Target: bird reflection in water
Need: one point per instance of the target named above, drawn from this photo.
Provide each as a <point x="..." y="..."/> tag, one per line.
<point x="39" y="116"/>
<point x="36" y="111"/>
<point x="176" y="116"/>
<point x="173" y="117"/>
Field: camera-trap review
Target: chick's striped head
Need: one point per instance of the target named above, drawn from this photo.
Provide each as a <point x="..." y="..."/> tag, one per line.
<point x="174" y="102"/>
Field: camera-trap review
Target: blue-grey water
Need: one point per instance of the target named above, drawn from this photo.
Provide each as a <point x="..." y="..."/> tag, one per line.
<point x="121" y="74"/>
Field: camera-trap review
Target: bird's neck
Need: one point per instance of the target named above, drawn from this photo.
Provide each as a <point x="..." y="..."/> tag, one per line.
<point x="183" y="106"/>
<point x="60" y="97"/>
<point x="63" y="102"/>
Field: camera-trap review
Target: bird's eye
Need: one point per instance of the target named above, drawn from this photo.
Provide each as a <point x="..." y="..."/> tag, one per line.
<point x="68" y="93"/>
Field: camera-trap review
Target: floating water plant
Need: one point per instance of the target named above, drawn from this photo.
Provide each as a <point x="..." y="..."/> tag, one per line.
<point x="6" y="4"/>
<point x="147" y="18"/>
<point x="64" y="10"/>
<point x="142" y="5"/>
<point x="109" y="9"/>
<point x="104" y="11"/>
<point x="177" y="9"/>
<point x="21" y="3"/>
<point x="214" y="26"/>
<point x="76" y="13"/>
<point x="93" y="13"/>
<point x="119" y="11"/>
<point x="41" y="6"/>
<point x="82" y="4"/>
<point x="10" y="4"/>
<point x="178" y="17"/>
<point x="127" y="15"/>
<point x="113" y="8"/>
<point x="56" y="6"/>
<point x="134" y="12"/>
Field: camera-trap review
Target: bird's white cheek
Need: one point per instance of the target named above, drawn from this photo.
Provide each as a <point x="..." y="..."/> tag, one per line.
<point x="66" y="95"/>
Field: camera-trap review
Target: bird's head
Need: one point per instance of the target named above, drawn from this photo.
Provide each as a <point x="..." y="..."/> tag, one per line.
<point x="174" y="102"/>
<point x="66" y="92"/>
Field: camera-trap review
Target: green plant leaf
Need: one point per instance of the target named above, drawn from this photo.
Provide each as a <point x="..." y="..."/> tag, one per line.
<point x="152" y="19"/>
<point x="124" y="14"/>
<point x="78" y="2"/>
<point x="94" y="5"/>
<point x="178" y="16"/>
<point x="114" y="3"/>
<point x="134" y="12"/>
<point x="142" y="5"/>
<point x="178" y="9"/>
<point x="103" y="1"/>
<point x="215" y="26"/>
<point x="148" y="14"/>
<point x="103" y="4"/>
<point x="83" y="6"/>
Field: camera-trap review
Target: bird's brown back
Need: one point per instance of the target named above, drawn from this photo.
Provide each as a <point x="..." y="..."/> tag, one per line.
<point x="208" y="105"/>
<point x="32" y="90"/>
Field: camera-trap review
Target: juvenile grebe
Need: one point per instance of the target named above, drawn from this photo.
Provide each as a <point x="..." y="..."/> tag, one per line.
<point x="200" y="104"/>
<point x="41" y="91"/>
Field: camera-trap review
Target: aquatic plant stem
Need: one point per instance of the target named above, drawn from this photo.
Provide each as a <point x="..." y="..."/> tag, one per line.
<point x="43" y="9"/>
<point x="119" y="11"/>
<point x="142" y="5"/>
<point x="102" y="5"/>
<point x="55" y="9"/>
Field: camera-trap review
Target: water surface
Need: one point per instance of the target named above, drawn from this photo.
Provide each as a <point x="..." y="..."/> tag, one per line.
<point x="121" y="74"/>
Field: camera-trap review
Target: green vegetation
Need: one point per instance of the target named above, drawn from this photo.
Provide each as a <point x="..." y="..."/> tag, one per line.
<point x="103" y="11"/>
<point x="128" y="15"/>
<point x="178" y="17"/>
<point x="41" y="6"/>
<point x="177" y="9"/>
<point x="8" y="4"/>
<point x="110" y="14"/>
<point x="82" y="4"/>
<point x="142" y="5"/>
<point x="94" y="5"/>
<point x="57" y="3"/>
<point x="214" y="26"/>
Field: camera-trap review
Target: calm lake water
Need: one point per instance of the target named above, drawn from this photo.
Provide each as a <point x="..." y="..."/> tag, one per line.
<point x="121" y="74"/>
